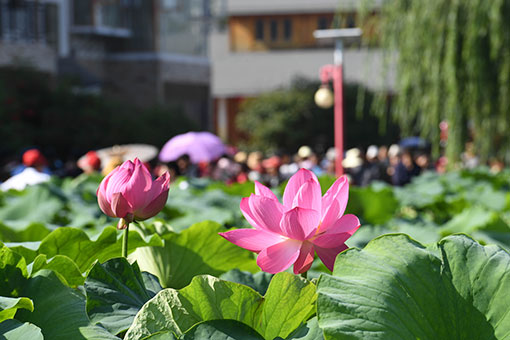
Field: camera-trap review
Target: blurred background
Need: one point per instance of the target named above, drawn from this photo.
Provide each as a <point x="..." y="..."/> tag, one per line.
<point x="81" y="75"/>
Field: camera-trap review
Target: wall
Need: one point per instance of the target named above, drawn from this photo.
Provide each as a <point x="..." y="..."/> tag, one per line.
<point x="40" y="56"/>
<point x="243" y="35"/>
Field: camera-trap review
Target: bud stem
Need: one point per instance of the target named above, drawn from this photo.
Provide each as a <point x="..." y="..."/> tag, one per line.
<point x="125" y="241"/>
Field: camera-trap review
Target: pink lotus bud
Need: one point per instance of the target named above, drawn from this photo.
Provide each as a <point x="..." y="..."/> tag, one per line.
<point x="129" y="193"/>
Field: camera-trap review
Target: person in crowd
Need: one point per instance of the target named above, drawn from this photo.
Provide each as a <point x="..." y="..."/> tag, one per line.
<point x="304" y="154"/>
<point x="186" y="168"/>
<point x="272" y="175"/>
<point x="468" y="157"/>
<point x="424" y="162"/>
<point x="255" y="164"/>
<point x="328" y="163"/>
<point x="113" y="162"/>
<point x="315" y="165"/>
<point x="496" y="165"/>
<point x="370" y="170"/>
<point x="441" y="165"/>
<point x="34" y="162"/>
<point x="405" y="170"/>
<point x="226" y="170"/>
<point x="309" y="160"/>
<point x="90" y="163"/>
<point x="288" y="167"/>
<point x="384" y="164"/>
<point x="353" y="165"/>
<point x="393" y="160"/>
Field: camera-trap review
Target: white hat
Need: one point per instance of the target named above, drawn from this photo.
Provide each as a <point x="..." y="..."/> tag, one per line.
<point x="305" y="151"/>
<point x="331" y="154"/>
<point x="352" y="158"/>
<point x="394" y="150"/>
<point x="372" y="151"/>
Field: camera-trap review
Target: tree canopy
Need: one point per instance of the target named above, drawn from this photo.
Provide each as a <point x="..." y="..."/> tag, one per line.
<point x="285" y="119"/>
<point x="454" y="65"/>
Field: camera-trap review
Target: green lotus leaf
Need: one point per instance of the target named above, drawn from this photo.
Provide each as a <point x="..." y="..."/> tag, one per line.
<point x="396" y="288"/>
<point x="288" y="303"/>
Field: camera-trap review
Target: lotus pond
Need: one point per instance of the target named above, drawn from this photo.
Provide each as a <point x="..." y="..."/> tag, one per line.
<point x="430" y="261"/>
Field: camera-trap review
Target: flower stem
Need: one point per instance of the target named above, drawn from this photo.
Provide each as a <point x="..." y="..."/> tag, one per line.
<point x="125" y="242"/>
<point x="304" y="275"/>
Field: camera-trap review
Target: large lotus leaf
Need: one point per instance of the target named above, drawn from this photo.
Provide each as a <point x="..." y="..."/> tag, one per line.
<point x="13" y="272"/>
<point x="288" y="303"/>
<point x="474" y="219"/>
<point x="221" y="330"/>
<point x="396" y="288"/>
<point x="235" y="189"/>
<point x="62" y="265"/>
<point x="484" y="195"/>
<point x="9" y="306"/>
<point x="259" y="281"/>
<point x="76" y="245"/>
<point x="423" y="191"/>
<point x="195" y="251"/>
<point x="59" y="310"/>
<point x="165" y="335"/>
<point x="14" y="330"/>
<point x="193" y="207"/>
<point x="20" y="231"/>
<point x="425" y="232"/>
<point x="307" y="331"/>
<point x="502" y="239"/>
<point x="115" y="293"/>
<point x="375" y="204"/>
<point x="40" y="203"/>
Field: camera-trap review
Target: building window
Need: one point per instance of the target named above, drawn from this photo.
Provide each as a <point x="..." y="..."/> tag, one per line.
<point x="259" y="29"/>
<point x="322" y="23"/>
<point x="351" y="21"/>
<point x="287" y="29"/>
<point x="274" y="30"/>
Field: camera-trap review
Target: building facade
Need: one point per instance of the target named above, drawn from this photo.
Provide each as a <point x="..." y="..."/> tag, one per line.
<point x="145" y="52"/>
<point x="263" y="45"/>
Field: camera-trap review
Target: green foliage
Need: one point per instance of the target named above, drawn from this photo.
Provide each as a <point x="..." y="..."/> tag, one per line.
<point x="275" y="121"/>
<point x="13" y="272"/>
<point x="454" y="65"/>
<point x="63" y="266"/>
<point x="9" y="306"/>
<point x="77" y="246"/>
<point x="222" y="329"/>
<point x="288" y="302"/>
<point x="195" y="251"/>
<point x="115" y="293"/>
<point x="396" y="288"/>
<point x="258" y="281"/>
<point x="67" y="283"/>
<point x="59" y="311"/>
<point x="34" y="113"/>
<point x="14" y="330"/>
<point x="374" y="205"/>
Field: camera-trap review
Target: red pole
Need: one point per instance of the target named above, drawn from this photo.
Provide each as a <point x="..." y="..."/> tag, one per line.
<point x="339" y="119"/>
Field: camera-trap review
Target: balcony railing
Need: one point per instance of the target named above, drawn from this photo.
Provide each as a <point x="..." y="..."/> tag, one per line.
<point x="103" y="17"/>
<point x="23" y="21"/>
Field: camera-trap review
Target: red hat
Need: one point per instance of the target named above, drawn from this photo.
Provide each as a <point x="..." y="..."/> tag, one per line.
<point x="93" y="160"/>
<point x="33" y="157"/>
<point x="271" y="162"/>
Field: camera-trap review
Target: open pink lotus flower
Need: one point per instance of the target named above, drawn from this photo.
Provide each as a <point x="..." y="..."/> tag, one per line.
<point x="306" y="223"/>
<point x="129" y="193"/>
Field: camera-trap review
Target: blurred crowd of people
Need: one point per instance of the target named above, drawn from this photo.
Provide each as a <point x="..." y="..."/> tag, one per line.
<point x="395" y="165"/>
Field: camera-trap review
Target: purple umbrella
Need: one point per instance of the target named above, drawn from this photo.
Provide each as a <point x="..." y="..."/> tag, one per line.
<point x="200" y="146"/>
